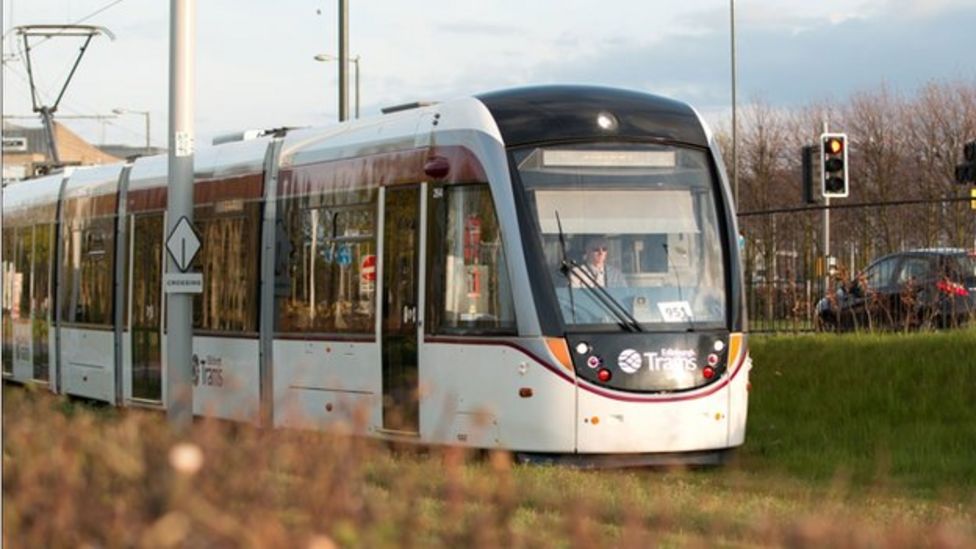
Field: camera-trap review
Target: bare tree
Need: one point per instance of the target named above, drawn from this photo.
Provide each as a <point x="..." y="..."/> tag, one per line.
<point x="875" y="156"/>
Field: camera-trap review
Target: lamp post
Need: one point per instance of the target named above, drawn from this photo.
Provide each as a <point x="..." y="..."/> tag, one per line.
<point x="735" y="159"/>
<point x="325" y="57"/>
<point x="143" y="113"/>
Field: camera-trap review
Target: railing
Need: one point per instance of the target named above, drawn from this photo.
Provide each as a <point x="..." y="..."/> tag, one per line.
<point x="783" y="305"/>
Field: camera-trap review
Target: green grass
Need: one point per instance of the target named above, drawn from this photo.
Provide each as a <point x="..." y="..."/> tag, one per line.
<point x="869" y="408"/>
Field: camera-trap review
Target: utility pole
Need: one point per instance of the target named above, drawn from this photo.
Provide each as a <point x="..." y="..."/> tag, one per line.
<point x="179" y="211"/>
<point x="343" y="60"/>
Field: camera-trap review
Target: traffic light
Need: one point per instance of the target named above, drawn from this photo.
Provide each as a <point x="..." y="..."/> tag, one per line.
<point x="833" y="164"/>
<point x="966" y="172"/>
<point x="808" y="154"/>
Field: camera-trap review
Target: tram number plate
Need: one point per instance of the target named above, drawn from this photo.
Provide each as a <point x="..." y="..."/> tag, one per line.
<point x="183" y="283"/>
<point x="675" y="311"/>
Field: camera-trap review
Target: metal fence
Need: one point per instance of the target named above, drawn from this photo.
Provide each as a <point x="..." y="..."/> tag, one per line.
<point x="783" y="305"/>
<point x="785" y="268"/>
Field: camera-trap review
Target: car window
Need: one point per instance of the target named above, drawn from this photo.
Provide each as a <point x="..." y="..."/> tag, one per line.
<point x="959" y="268"/>
<point x="913" y="269"/>
<point x="967" y="266"/>
<point x="879" y="274"/>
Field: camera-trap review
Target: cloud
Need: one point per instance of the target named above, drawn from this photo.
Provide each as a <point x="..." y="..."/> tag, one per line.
<point x="492" y="30"/>
<point x="912" y="9"/>
<point x="795" y="62"/>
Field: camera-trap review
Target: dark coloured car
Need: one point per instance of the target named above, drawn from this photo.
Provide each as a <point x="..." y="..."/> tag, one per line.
<point x="905" y="290"/>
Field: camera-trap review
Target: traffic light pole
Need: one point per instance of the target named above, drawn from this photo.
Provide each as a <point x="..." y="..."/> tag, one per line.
<point x="826" y="226"/>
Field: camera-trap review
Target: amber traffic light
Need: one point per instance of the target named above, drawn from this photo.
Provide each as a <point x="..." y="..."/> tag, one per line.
<point x="833" y="156"/>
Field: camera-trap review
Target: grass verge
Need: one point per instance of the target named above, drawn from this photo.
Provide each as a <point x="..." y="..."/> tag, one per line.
<point x="870" y="409"/>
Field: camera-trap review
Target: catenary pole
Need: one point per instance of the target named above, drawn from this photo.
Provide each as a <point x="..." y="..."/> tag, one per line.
<point x="179" y="317"/>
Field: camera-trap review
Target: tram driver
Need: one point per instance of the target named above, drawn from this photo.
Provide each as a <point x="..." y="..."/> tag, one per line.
<point x="597" y="267"/>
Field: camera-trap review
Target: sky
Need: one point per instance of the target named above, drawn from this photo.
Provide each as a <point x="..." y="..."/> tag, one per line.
<point x="255" y="65"/>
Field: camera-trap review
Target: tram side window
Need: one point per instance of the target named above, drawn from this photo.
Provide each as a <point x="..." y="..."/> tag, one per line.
<point x="41" y="297"/>
<point x="229" y="260"/>
<point x="468" y="284"/>
<point x="88" y="268"/>
<point x="330" y="244"/>
<point x="8" y="270"/>
<point x="43" y="241"/>
<point x="25" y="243"/>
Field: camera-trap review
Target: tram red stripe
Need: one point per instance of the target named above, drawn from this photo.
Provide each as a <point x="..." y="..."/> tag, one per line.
<point x="503" y="343"/>
<point x="583" y="384"/>
<point x="378" y="170"/>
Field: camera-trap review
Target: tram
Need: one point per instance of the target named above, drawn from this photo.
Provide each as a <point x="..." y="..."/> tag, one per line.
<point x="550" y="270"/>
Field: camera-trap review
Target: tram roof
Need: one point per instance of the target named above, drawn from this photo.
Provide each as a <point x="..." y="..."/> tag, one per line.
<point x="565" y="113"/>
<point x="25" y="195"/>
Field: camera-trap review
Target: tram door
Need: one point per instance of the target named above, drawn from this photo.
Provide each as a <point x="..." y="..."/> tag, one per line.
<point x="401" y="250"/>
<point x="147" y="257"/>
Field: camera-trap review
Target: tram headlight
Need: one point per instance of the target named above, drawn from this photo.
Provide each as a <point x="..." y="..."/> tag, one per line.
<point x="607" y="121"/>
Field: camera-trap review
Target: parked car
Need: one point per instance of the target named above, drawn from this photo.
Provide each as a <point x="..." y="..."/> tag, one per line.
<point x="905" y="290"/>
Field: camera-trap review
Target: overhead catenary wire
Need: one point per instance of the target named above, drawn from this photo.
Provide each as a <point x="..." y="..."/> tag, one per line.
<point x="19" y="56"/>
<point x="82" y="20"/>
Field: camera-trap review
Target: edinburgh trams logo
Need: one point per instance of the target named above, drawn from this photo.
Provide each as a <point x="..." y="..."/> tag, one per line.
<point x="208" y="372"/>
<point x="665" y="360"/>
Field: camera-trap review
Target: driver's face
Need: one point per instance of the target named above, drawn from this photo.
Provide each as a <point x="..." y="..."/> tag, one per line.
<point x="597" y="254"/>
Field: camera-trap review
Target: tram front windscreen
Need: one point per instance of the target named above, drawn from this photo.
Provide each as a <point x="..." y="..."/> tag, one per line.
<point x="630" y="235"/>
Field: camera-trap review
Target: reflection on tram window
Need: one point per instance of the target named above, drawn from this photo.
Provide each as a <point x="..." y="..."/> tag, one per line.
<point x="9" y="271"/>
<point x="229" y="262"/>
<point x="328" y="283"/>
<point x="25" y="243"/>
<point x="40" y="297"/>
<point x="469" y="288"/>
<point x="86" y="294"/>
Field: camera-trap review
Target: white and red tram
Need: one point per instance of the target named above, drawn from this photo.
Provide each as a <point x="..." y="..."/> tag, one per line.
<point x="432" y="274"/>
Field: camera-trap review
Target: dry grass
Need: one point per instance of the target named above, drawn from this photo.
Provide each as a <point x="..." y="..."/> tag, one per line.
<point x="76" y="476"/>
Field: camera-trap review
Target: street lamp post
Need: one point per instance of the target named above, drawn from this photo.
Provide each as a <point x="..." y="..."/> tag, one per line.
<point x="735" y="159"/>
<point x="143" y="113"/>
<point x="325" y="57"/>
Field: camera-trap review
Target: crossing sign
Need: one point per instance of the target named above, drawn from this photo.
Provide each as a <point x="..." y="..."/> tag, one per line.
<point x="183" y="244"/>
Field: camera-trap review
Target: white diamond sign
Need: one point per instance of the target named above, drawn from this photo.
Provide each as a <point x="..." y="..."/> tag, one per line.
<point x="183" y="244"/>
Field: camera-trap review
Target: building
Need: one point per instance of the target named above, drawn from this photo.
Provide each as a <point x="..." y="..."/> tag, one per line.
<point x="26" y="152"/>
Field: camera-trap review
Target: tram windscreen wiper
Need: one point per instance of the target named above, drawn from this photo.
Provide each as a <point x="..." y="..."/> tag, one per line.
<point x="570" y="268"/>
<point x="562" y="247"/>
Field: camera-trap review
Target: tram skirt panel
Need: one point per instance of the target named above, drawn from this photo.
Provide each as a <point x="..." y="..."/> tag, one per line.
<point x="88" y="363"/>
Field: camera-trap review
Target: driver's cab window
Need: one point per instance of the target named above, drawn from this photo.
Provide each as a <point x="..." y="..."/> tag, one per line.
<point x="637" y="260"/>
